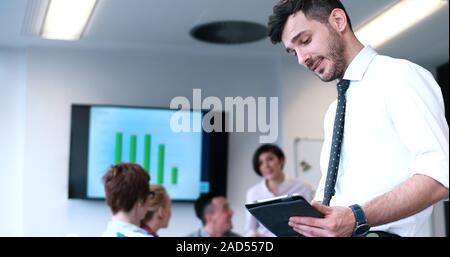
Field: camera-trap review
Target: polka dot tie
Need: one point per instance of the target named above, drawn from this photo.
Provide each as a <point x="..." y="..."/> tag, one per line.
<point x="338" y="135"/>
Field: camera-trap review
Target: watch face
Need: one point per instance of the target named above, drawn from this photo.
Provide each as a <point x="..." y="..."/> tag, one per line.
<point x="361" y="230"/>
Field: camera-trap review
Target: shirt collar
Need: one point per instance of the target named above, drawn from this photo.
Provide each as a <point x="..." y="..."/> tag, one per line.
<point x="360" y="64"/>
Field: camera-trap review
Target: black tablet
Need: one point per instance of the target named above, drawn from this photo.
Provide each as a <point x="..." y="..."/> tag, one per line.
<point x="274" y="213"/>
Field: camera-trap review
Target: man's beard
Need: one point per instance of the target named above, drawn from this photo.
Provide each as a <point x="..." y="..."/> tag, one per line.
<point x="336" y="52"/>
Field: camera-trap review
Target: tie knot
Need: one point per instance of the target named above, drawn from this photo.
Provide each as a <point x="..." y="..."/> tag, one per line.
<point x="342" y="86"/>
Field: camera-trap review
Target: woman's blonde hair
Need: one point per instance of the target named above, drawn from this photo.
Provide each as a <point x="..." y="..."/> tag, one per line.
<point x="160" y="199"/>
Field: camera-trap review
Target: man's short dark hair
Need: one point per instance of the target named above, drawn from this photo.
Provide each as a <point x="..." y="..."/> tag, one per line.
<point x="203" y="205"/>
<point x="318" y="10"/>
<point x="264" y="149"/>
<point x="125" y="185"/>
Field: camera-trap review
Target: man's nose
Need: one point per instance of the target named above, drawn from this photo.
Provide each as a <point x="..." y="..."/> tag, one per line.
<point x="303" y="58"/>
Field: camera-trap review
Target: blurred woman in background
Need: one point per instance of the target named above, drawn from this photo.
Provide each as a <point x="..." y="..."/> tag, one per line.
<point x="268" y="162"/>
<point x="159" y="211"/>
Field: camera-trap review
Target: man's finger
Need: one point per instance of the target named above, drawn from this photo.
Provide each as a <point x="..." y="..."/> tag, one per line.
<point x="321" y="208"/>
<point x="313" y="222"/>
<point x="310" y="231"/>
<point x="302" y="232"/>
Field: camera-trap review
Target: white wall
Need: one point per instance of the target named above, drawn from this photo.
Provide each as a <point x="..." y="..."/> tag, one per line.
<point x="12" y="113"/>
<point x="58" y="78"/>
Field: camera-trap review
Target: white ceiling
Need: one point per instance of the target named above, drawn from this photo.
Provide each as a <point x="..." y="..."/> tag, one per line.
<point x="164" y="25"/>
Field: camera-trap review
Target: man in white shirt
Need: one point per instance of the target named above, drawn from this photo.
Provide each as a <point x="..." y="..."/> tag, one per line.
<point x="393" y="163"/>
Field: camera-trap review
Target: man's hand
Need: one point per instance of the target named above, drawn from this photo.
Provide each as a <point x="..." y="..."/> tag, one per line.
<point x="338" y="221"/>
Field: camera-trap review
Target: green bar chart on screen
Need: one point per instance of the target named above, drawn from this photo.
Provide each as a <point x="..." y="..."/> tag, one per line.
<point x="133" y="140"/>
<point x="174" y="175"/>
<point x="118" y="157"/>
<point x="145" y="137"/>
<point x="147" y="153"/>
<point x="160" y="174"/>
<point x="146" y="157"/>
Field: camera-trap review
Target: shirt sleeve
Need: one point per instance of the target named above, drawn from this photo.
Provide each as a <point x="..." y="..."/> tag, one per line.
<point x="416" y="107"/>
<point x="318" y="197"/>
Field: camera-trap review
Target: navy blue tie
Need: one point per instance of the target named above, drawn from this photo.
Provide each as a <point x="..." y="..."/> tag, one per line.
<point x="338" y="135"/>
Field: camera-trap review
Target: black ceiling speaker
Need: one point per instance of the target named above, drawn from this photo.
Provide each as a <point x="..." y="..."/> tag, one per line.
<point x="229" y="32"/>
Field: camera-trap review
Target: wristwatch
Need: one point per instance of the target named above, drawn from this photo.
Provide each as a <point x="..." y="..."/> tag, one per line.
<point x="361" y="228"/>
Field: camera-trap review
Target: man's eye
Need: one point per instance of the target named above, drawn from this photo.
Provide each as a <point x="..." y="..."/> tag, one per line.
<point x="306" y="41"/>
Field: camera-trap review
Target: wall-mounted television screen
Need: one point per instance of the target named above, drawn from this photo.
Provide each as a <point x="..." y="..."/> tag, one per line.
<point x="187" y="164"/>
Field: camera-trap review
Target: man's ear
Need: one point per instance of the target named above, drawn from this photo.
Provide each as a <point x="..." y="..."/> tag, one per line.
<point x="160" y="212"/>
<point x="338" y="20"/>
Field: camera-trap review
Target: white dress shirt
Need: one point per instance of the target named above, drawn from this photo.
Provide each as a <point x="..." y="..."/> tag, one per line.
<point x="260" y="191"/>
<point x="117" y="228"/>
<point x="395" y="127"/>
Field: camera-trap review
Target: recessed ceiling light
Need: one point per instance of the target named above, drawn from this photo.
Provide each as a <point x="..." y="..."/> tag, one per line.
<point x="229" y="32"/>
<point x="67" y="19"/>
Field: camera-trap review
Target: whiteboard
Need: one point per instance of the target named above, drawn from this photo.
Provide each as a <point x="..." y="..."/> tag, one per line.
<point x="307" y="159"/>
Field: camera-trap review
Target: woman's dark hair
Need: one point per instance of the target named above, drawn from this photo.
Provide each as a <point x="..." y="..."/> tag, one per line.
<point x="125" y="185"/>
<point x="264" y="149"/>
<point x="318" y="10"/>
